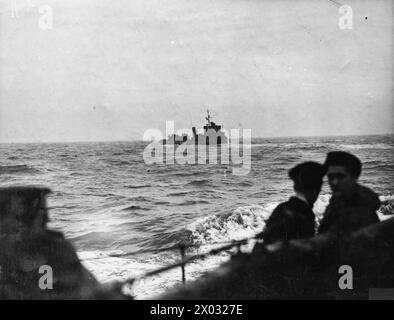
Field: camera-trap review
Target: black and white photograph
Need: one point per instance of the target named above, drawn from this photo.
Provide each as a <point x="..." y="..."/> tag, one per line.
<point x="205" y="150"/>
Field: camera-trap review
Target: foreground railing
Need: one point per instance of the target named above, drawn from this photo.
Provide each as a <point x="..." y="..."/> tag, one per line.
<point x="182" y="249"/>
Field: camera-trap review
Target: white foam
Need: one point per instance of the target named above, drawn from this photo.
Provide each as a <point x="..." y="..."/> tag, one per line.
<point x="366" y="146"/>
<point x="385" y="199"/>
<point x="242" y="223"/>
<point x="106" y="268"/>
<point x="386" y="211"/>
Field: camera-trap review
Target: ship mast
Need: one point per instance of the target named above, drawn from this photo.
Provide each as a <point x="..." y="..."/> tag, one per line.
<point x="208" y="118"/>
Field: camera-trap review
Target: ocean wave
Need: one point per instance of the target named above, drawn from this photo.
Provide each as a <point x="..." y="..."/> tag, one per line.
<point x="385" y="199"/>
<point x="140" y="186"/>
<point x="18" y="169"/>
<point x="178" y="194"/>
<point x="271" y="145"/>
<point x="161" y="202"/>
<point x="366" y="146"/>
<point x="246" y="183"/>
<point x="241" y="223"/>
<point x="304" y="146"/>
<point x="321" y="204"/>
<point x="109" y="266"/>
<point x="246" y="221"/>
<point x="387" y="207"/>
<point x="198" y="193"/>
<point x="192" y="202"/>
<point x="68" y="156"/>
<point x="63" y="206"/>
<point x="186" y="174"/>
<point x="372" y="162"/>
<point x="86" y="235"/>
<point x="382" y="167"/>
<point x="121" y="162"/>
<point x="198" y="182"/>
<point x="286" y="159"/>
<point x="140" y="199"/>
<point x="77" y="174"/>
<point x="134" y="207"/>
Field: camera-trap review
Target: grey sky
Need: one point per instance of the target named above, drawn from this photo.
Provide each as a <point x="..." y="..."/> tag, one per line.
<point x="109" y="70"/>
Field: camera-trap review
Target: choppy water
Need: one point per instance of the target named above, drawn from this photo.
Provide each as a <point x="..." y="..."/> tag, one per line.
<point x="107" y="200"/>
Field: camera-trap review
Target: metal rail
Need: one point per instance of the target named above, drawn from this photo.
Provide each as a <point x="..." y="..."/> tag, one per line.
<point x="184" y="260"/>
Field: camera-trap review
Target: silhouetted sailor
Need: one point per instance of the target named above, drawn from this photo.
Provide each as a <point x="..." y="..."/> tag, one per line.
<point x="351" y="206"/>
<point x="28" y="250"/>
<point x="294" y="219"/>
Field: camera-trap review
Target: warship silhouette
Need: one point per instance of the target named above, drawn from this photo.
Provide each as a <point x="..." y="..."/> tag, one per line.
<point x="211" y="134"/>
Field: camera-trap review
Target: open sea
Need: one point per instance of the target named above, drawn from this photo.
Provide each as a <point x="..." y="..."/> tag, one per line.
<point x="113" y="207"/>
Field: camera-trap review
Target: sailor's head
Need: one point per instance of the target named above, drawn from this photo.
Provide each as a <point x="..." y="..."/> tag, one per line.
<point x="23" y="208"/>
<point x="343" y="171"/>
<point x="308" y="179"/>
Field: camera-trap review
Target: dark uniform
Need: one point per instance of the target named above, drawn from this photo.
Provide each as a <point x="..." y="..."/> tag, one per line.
<point x="347" y="213"/>
<point x="293" y="219"/>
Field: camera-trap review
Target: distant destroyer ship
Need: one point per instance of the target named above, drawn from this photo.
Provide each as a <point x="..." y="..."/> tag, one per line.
<point x="212" y="134"/>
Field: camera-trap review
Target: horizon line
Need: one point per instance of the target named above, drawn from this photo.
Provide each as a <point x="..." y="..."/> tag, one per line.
<point x="140" y="140"/>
